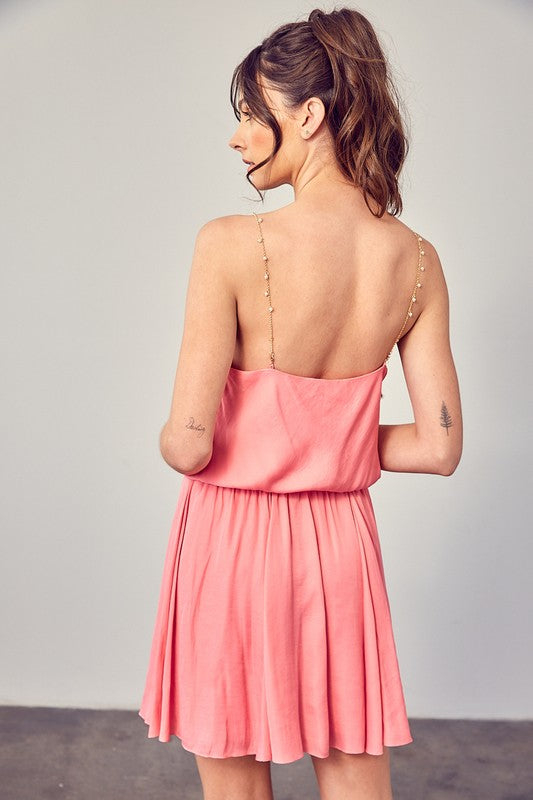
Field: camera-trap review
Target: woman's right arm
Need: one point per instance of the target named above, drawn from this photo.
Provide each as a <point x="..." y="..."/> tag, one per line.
<point x="433" y="443"/>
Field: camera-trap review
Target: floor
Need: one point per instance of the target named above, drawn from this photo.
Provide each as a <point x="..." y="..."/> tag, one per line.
<point x="78" y="754"/>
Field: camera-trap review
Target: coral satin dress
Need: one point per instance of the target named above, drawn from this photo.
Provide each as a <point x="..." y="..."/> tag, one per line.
<point x="273" y="633"/>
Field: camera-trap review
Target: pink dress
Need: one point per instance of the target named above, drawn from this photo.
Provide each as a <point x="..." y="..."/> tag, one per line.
<point x="273" y="633"/>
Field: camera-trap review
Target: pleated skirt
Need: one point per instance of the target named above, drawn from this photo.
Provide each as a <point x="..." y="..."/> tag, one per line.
<point x="273" y="633"/>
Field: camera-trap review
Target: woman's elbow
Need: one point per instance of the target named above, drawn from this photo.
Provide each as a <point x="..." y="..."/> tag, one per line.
<point x="448" y="461"/>
<point x="198" y="465"/>
<point x="187" y="464"/>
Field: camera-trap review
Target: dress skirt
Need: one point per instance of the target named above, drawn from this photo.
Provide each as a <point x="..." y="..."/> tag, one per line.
<point x="273" y="632"/>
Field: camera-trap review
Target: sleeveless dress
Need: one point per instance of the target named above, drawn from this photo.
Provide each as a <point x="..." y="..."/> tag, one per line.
<point x="273" y="632"/>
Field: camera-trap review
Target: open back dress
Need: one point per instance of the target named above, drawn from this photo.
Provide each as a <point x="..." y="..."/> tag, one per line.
<point x="273" y="632"/>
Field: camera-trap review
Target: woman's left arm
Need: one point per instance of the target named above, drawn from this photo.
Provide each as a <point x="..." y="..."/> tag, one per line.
<point x="206" y="352"/>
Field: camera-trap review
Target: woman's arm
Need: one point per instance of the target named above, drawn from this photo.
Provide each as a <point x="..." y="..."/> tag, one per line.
<point x="207" y="346"/>
<point x="433" y="443"/>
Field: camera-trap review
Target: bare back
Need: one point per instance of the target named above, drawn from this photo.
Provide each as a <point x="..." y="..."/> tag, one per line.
<point x="341" y="286"/>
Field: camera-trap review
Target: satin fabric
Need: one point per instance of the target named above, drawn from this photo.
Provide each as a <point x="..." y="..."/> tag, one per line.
<point x="273" y="634"/>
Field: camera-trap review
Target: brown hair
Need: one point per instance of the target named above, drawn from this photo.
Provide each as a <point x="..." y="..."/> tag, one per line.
<point x="337" y="57"/>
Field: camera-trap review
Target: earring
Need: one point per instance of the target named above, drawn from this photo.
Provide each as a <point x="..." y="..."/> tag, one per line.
<point x="306" y="132"/>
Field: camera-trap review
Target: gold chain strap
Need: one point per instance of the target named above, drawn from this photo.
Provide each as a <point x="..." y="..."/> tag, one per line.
<point x="417" y="285"/>
<point x="420" y="268"/>
<point x="267" y="290"/>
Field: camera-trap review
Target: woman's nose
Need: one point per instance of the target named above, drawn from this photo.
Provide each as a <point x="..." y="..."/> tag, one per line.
<point x="236" y="140"/>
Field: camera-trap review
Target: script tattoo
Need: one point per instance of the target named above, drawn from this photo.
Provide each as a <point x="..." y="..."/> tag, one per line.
<point x="200" y="428"/>
<point x="445" y="419"/>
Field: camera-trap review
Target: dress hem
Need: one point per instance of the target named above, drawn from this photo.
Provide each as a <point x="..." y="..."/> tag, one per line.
<point x="284" y="760"/>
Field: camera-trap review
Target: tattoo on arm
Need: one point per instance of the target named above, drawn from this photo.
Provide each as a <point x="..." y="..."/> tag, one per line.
<point x="445" y="419"/>
<point x="191" y="424"/>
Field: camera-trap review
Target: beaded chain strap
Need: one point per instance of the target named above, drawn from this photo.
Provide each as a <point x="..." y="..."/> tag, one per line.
<point x="267" y="290"/>
<point x="420" y="268"/>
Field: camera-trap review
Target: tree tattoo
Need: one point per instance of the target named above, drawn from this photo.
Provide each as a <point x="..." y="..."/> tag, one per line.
<point x="445" y="419"/>
<point x="200" y="428"/>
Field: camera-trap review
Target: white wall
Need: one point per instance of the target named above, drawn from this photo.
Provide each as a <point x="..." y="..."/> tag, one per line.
<point x="113" y="149"/>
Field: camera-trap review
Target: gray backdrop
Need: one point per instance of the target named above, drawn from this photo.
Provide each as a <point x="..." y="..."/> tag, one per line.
<point x="114" y="151"/>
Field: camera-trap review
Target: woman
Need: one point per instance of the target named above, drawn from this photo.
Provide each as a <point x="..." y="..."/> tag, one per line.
<point x="273" y="635"/>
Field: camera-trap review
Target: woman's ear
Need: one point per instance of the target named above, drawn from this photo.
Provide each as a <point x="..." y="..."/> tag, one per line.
<point x="314" y="113"/>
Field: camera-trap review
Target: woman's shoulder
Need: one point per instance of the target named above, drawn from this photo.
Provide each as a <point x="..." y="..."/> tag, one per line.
<point x="220" y="236"/>
<point x="388" y="234"/>
<point x="221" y="225"/>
